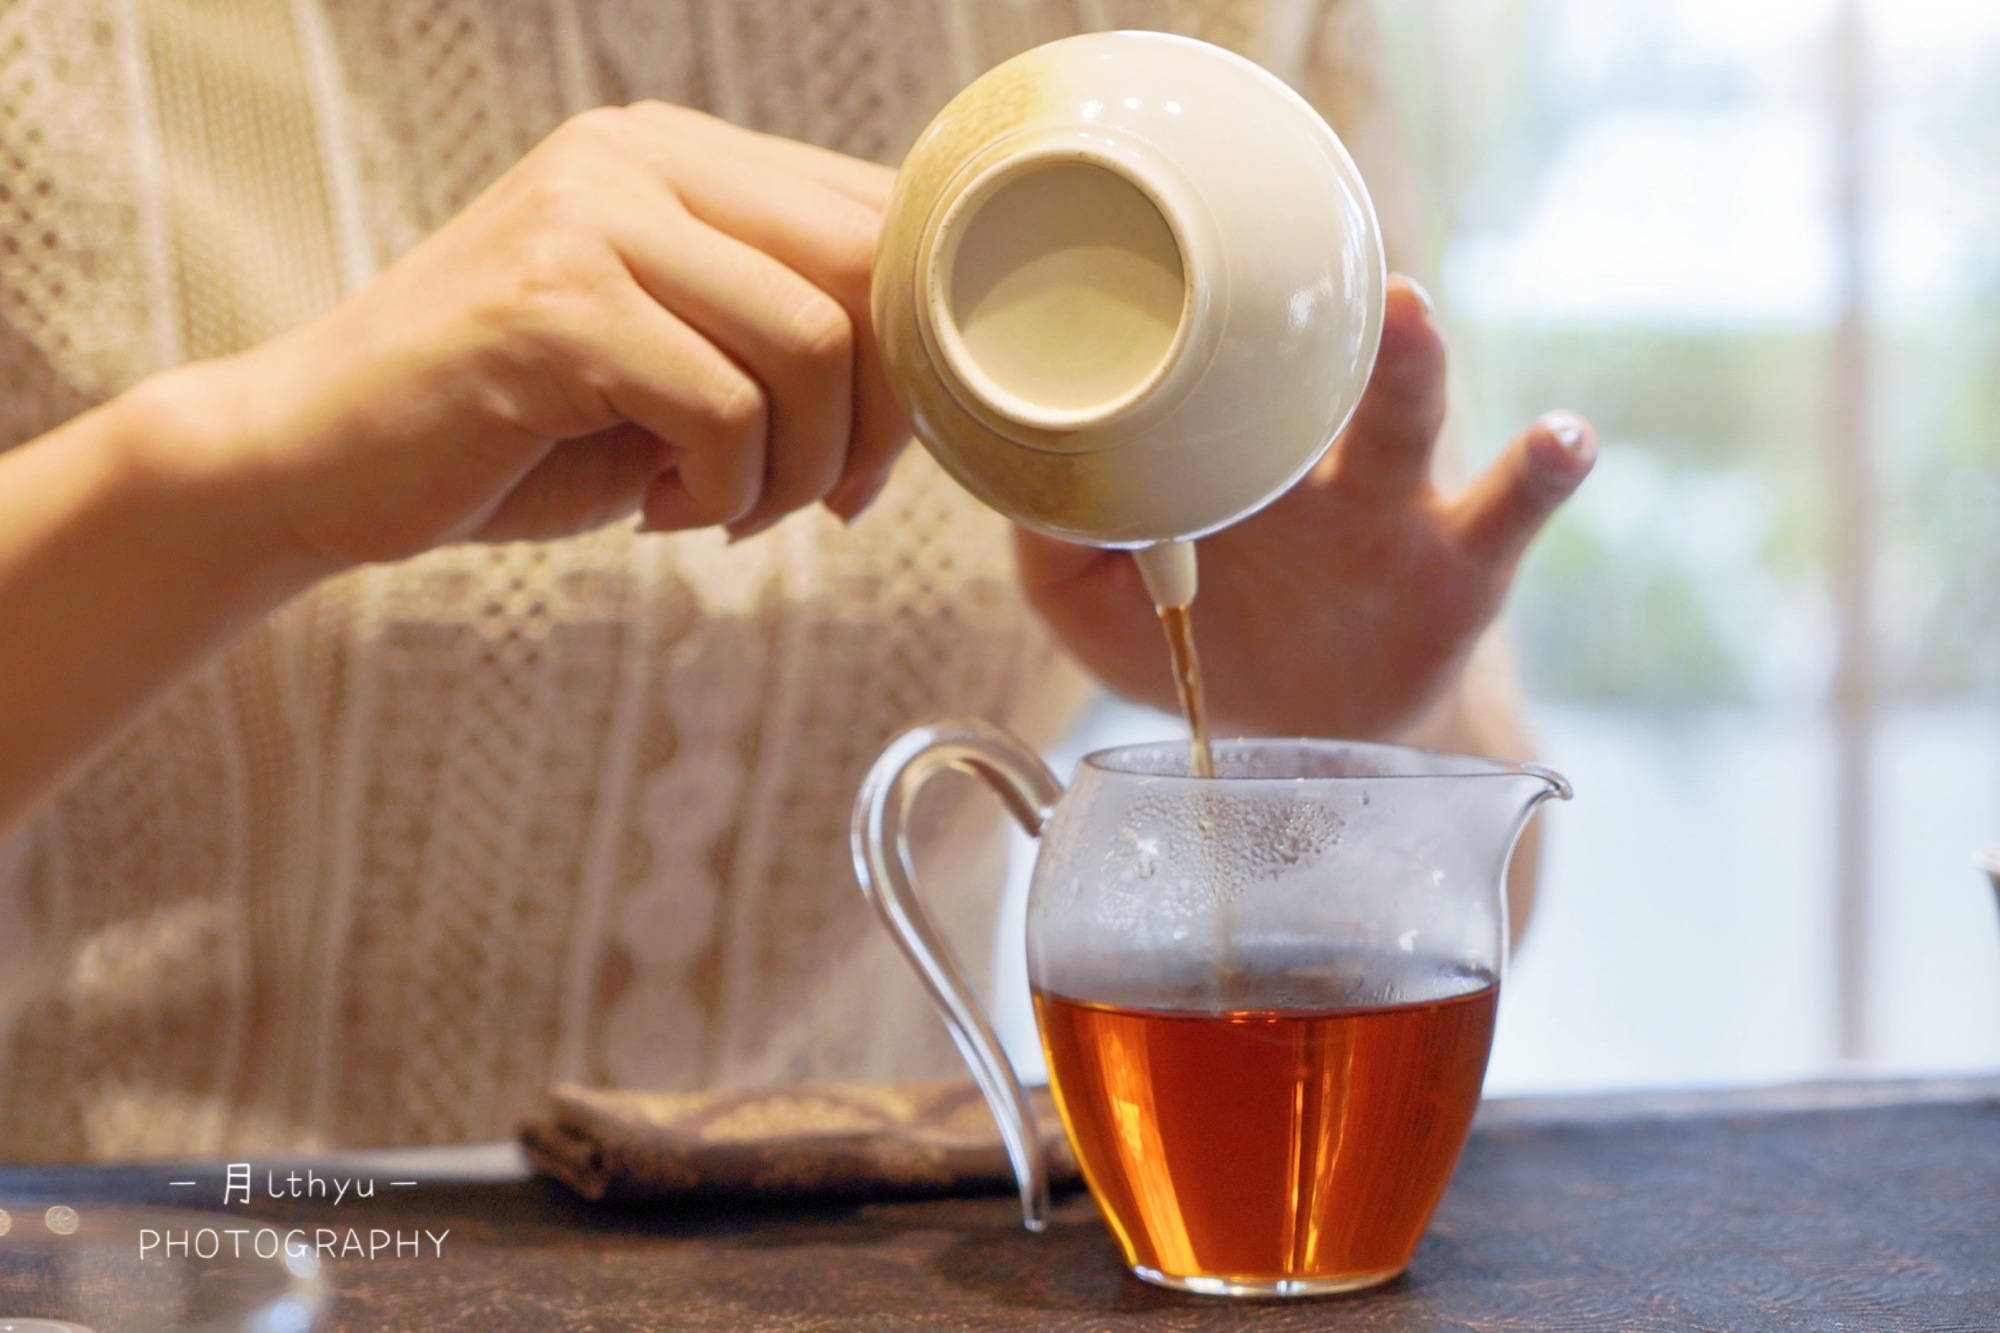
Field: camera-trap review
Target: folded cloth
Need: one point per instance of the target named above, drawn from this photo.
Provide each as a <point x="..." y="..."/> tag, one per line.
<point x="784" y="1142"/>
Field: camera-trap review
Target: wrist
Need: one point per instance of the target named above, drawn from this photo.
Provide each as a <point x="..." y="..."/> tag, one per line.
<point x="194" y="436"/>
<point x="1480" y="711"/>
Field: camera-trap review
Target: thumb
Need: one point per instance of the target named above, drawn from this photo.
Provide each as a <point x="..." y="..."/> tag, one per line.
<point x="1501" y="511"/>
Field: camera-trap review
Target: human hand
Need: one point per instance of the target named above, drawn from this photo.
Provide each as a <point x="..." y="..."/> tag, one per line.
<point x="1349" y="605"/>
<point x="653" y="309"/>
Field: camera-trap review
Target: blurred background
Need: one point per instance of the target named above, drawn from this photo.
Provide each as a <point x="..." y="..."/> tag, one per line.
<point x="1758" y="243"/>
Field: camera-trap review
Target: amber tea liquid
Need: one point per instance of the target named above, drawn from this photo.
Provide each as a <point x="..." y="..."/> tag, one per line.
<point x="1302" y="1135"/>
<point x="1178" y="622"/>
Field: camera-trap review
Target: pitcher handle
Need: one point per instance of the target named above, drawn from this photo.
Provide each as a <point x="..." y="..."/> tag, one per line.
<point x="881" y="847"/>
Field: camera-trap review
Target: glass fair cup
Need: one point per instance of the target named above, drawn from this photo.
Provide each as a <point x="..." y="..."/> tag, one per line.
<point x="1266" y="998"/>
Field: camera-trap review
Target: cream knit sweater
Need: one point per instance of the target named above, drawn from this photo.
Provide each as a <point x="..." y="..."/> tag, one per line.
<point x="439" y="833"/>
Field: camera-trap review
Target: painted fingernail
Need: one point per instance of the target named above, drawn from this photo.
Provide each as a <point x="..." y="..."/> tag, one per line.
<point x="1572" y="437"/>
<point x="1423" y="296"/>
<point x="1567" y="428"/>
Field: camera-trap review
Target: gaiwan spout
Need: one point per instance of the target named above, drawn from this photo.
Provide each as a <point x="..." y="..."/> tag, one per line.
<point x="1169" y="571"/>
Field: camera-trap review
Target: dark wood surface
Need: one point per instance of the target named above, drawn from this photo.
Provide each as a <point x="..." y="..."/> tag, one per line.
<point x="1818" y="1209"/>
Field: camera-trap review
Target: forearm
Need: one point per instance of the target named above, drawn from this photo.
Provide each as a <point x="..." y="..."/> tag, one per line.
<point x="130" y="548"/>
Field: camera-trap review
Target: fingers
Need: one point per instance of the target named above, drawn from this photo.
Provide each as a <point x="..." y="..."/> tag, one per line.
<point x="660" y="374"/>
<point x="1501" y="511"/>
<point x="823" y="228"/>
<point x="1386" y="449"/>
<point x="764" y="250"/>
<point x="580" y="484"/>
<point x="864" y="182"/>
<point x="718" y="483"/>
<point x="878" y="436"/>
<point x="794" y="339"/>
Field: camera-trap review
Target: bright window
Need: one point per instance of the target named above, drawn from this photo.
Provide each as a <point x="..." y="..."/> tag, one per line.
<point x="1758" y="242"/>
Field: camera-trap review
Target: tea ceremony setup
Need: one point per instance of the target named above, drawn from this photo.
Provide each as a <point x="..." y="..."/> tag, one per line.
<point x="740" y="665"/>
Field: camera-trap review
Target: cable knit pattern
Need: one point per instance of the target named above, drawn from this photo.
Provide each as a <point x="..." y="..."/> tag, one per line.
<point x="436" y="835"/>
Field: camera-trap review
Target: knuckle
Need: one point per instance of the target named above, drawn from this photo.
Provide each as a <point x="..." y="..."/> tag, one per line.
<point x="739" y="411"/>
<point x="672" y="134"/>
<point x="556" y="200"/>
<point x="854" y="246"/>
<point x="597" y="126"/>
<point x="549" y="271"/>
<point x="820" y="334"/>
<point x="686" y="119"/>
<point x="654" y="107"/>
<point x="547" y="354"/>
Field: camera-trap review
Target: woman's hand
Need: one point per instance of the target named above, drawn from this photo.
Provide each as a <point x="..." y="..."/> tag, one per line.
<point x="1348" y="606"/>
<point x="653" y="310"/>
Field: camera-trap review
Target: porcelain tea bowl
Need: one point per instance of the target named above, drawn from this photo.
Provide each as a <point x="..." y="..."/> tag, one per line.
<point x="1129" y="288"/>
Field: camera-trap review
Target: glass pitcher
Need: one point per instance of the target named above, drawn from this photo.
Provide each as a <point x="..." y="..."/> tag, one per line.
<point x="1266" y="997"/>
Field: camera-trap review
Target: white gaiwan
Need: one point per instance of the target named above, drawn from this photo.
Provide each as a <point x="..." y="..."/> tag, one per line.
<point x="1129" y="289"/>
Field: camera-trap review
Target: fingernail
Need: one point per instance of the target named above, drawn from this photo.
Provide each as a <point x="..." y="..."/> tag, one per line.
<point x="850" y="500"/>
<point x="1566" y="427"/>
<point x="1423" y="297"/>
<point x="741" y="531"/>
<point x="1572" y="437"/>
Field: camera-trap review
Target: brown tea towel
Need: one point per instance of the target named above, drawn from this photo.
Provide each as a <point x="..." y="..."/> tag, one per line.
<point x="785" y="1142"/>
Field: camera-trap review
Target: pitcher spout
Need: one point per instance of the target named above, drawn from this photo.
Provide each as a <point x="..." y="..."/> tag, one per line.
<point x="1551" y="786"/>
<point x="1526" y="787"/>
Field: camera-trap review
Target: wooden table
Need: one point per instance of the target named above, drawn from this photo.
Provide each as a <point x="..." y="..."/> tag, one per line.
<point x="1852" y="1206"/>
